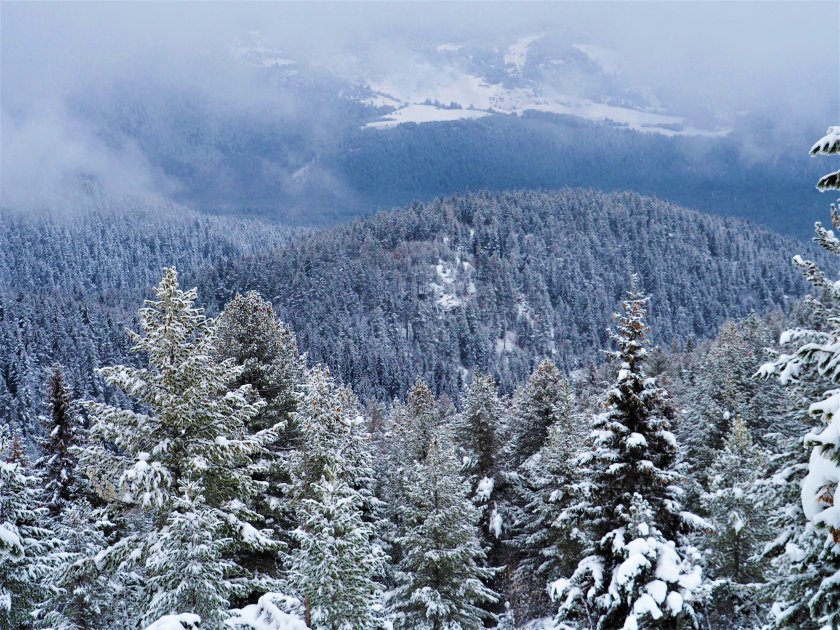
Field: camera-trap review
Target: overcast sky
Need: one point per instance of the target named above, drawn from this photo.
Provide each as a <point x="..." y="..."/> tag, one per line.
<point x="780" y="59"/>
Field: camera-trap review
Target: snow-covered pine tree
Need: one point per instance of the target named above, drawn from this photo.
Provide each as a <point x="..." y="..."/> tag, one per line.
<point x="28" y="548"/>
<point x="336" y="564"/>
<point x="441" y="574"/>
<point x="813" y="552"/>
<point x="414" y="429"/>
<point x="638" y="568"/>
<point x="541" y="489"/>
<point x="739" y="517"/>
<point x="795" y="554"/>
<point x="180" y="459"/>
<point x="537" y="406"/>
<point x="338" y="559"/>
<point x="478" y="430"/>
<point x="62" y="426"/>
<point x="249" y="333"/>
<point x="410" y="427"/>
<point x="725" y="387"/>
<point x="82" y="597"/>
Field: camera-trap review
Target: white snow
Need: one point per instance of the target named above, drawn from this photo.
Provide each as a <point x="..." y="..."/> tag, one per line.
<point x="674" y="601"/>
<point x="658" y="590"/>
<point x="418" y="93"/>
<point x="424" y="114"/>
<point x="277" y="61"/>
<point x="496" y="523"/>
<point x="184" y="621"/>
<point x="636" y="439"/>
<point x="829" y="143"/>
<point x="484" y="489"/>
<point x="274" y="611"/>
<point x="9" y="538"/>
<point x="517" y="53"/>
<point x="820" y="489"/>
<point x="508" y="343"/>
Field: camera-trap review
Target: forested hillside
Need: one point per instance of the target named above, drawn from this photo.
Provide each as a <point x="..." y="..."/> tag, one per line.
<point x="69" y="285"/>
<point x="496" y="281"/>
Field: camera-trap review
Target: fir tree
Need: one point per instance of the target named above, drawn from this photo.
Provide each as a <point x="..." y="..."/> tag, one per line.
<point x="249" y="333"/>
<point x="478" y="429"/>
<point x="726" y="387"/>
<point x="637" y="568"/>
<point x="440" y="577"/>
<point x="183" y="458"/>
<point x="82" y="598"/>
<point x="336" y="563"/>
<point x="794" y="555"/>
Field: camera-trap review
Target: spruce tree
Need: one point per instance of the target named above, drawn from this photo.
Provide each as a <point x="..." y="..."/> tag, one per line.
<point x="478" y="429"/>
<point x="338" y="559"/>
<point x="82" y="597"/>
<point x="181" y="461"/>
<point x="814" y="557"/>
<point x="795" y="555"/>
<point x="739" y="517"/>
<point x="441" y="574"/>
<point x="637" y="568"/>
<point x="536" y="407"/>
<point x="249" y="333"/>
<point x="29" y="551"/>
<point x="62" y="428"/>
<point x="726" y="387"/>
<point x="541" y="490"/>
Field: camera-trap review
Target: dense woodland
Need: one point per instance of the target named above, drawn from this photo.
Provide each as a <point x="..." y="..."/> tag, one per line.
<point x="214" y="475"/>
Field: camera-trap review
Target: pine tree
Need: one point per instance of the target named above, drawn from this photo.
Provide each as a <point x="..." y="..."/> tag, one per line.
<point x="542" y="489"/>
<point x="726" y="387"/>
<point x="183" y="458"/>
<point x="793" y="556"/>
<point x="478" y="429"/>
<point x="536" y="408"/>
<point x="637" y="568"/>
<point x="28" y="548"/>
<point x="440" y="577"/>
<point x="82" y="597"/>
<point x="61" y="428"/>
<point x="740" y="533"/>
<point x="336" y="563"/>
<point x="249" y="333"/>
<point x="815" y="561"/>
<point x="338" y="559"/>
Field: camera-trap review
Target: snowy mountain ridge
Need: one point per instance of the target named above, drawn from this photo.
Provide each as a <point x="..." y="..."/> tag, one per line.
<point x="458" y="81"/>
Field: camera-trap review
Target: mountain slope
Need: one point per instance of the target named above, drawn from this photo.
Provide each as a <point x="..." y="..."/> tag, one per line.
<point x="496" y="281"/>
<point x="69" y="285"/>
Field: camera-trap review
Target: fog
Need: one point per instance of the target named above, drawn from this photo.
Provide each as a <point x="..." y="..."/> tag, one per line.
<point x="778" y="63"/>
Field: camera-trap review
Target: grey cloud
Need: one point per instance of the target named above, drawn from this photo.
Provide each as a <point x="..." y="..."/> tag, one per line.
<point x="777" y="60"/>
